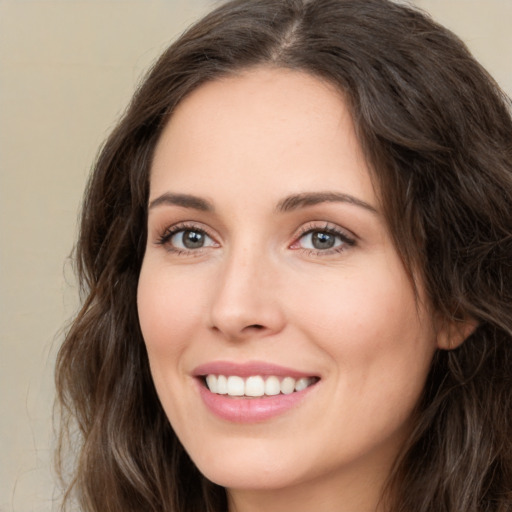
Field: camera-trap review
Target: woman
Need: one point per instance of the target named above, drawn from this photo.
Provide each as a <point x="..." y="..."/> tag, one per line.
<point x="296" y="256"/>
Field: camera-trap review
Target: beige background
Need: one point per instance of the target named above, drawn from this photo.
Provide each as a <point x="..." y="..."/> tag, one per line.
<point x="67" y="69"/>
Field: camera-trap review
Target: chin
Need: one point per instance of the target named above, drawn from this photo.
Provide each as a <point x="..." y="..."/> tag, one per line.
<point x="250" y="479"/>
<point x="249" y="470"/>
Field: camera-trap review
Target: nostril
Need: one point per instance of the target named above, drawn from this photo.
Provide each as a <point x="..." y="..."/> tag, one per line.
<point x="255" y="326"/>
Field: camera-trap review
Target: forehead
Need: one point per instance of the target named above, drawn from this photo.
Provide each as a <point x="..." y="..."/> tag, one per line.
<point x="257" y="127"/>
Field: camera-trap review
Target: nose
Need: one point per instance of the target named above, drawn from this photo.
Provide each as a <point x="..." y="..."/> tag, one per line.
<point x="246" y="300"/>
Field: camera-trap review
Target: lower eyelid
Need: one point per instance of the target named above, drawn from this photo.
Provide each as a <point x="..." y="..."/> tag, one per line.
<point x="324" y="252"/>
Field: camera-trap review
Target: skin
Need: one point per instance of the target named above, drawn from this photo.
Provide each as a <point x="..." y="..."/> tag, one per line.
<point x="258" y="290"/>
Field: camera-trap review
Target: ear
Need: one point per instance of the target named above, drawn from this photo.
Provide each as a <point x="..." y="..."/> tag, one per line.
<point x="454" y="332"/>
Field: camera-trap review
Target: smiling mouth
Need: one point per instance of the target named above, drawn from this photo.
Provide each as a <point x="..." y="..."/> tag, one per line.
<point x="256" y="386"/>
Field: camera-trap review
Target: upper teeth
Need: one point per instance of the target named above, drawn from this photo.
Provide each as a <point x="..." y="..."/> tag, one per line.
<point x="255" y="385"/>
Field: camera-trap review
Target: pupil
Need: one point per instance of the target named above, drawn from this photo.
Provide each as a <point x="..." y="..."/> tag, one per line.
<point x="322" y="240"/>
<point x="193" y="239"/>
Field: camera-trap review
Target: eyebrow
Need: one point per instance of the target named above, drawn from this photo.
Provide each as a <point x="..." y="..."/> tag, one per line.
<point x="288" y="204"/>
<point x="184" y="200"/>
<point x="306" y="199"/>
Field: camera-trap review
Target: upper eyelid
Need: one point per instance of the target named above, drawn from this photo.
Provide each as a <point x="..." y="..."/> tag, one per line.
<point x="324" y="226"/>
<point x="163" y="235"/>
<point x="187" y="225"/>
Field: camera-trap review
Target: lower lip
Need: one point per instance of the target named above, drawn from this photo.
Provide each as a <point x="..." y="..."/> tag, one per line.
<point x="251" y="410"/>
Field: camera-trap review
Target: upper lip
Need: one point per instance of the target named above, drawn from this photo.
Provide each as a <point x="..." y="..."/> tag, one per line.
<point x="247" y="369"/>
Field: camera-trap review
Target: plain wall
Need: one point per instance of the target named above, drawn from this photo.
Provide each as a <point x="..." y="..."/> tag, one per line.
<point x="67" y="70"/>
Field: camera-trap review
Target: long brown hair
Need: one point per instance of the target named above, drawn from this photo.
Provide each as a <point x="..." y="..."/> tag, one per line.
<point x="437" y="133"/>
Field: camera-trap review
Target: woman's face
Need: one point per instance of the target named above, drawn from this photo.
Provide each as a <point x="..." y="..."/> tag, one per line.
<point x="269" y="263"/>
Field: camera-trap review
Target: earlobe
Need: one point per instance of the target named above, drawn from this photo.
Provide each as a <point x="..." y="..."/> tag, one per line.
<point x="454" y="332"/>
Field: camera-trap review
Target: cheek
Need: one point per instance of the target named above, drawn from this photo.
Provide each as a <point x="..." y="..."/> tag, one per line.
<point x="169" y="308"/>
<point x="380" y="348"/>
<point x="370" y="324"/>
<point x="354" y="305"/>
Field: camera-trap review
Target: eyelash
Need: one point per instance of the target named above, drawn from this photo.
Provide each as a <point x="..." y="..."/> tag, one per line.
<point x="346" y="240"/>
<point x="165" y="238"/>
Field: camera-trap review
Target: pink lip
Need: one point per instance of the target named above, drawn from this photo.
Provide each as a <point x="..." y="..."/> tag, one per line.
<point x="248" y="410"/>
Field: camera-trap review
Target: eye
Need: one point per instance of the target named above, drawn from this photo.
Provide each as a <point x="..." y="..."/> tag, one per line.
<point x="190" y="239"/>
<point x="182" y="239"/>
<point x="320" y="240"/>
<point x="323" y="240"/>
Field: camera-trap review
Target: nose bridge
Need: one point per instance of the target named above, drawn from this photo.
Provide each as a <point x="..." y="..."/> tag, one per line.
<point x="244" y="301"/>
